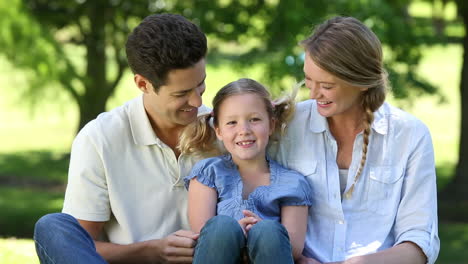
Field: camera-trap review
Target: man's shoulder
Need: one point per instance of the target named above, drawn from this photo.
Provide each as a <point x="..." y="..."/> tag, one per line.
<point x="110" y="124"/>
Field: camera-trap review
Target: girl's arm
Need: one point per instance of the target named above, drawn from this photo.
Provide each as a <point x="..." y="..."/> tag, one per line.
<point x="294" y="219"/>
<point x="202" y="202"/>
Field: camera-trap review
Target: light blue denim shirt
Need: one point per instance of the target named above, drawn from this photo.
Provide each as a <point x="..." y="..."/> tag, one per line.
<point x="286" y="188"/>
<point x="394" y="200"/>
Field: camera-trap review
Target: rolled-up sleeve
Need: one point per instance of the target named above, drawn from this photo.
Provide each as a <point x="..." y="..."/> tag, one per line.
<point x="416" y="219"/>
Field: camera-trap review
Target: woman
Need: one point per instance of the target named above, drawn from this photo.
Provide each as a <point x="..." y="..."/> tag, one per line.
<point x="370" y="165"/>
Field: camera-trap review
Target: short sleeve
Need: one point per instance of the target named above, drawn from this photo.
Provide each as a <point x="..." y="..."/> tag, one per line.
<point x="297" y="191"/>
<point x="201" y="170"/>
<point x="87" y="196"/>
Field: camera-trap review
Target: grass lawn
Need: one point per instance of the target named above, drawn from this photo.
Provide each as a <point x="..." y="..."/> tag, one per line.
<point x="17" y="251"/>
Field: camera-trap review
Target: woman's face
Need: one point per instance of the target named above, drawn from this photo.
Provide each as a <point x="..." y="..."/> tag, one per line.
<point x="334" y="96"/>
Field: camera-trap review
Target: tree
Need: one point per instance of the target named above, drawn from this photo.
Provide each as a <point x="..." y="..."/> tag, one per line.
<point x="454" y="198"/>
<point x="42" y="35"/>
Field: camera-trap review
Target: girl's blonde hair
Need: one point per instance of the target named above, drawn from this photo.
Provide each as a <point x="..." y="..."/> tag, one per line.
<point x="346" y="48"/>
<point x="199" y="137"/>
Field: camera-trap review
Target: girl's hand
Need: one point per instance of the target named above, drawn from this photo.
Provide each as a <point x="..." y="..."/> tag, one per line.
<point x="247" y="214"/>
<point x="246" y="223"/>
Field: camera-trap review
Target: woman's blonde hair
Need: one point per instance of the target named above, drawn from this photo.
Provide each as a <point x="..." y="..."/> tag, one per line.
<point x="199" y="137"/>
<point x="349" y="50"/>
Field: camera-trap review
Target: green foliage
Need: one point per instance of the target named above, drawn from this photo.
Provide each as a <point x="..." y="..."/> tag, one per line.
<point x="29" y="46"/>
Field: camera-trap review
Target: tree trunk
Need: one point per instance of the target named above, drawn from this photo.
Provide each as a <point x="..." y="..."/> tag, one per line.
<point x="89" y="109"/>
<point x="454" y="200"/>
<point x="97" y="90"/>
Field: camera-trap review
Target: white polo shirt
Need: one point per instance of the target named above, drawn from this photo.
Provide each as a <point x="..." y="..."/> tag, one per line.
<point x="394" y="200"/>
<point x="122" y="173"/>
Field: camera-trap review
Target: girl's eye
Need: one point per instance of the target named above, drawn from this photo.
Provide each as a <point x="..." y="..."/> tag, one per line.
<point x="255" y="119"/>
<point x="231" y="123"/>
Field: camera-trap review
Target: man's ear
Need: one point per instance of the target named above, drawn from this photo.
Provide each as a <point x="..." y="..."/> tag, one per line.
<point x="142" y="83"/>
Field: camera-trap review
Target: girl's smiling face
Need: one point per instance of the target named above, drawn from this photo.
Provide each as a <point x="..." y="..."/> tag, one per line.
<point x="244" y="126"/>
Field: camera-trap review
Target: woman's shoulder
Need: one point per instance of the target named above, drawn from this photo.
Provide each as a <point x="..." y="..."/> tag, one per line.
<point x="391" y="117"/>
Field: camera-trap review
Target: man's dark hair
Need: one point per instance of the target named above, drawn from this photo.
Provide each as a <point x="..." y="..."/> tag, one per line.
<point x="164" y="42"/>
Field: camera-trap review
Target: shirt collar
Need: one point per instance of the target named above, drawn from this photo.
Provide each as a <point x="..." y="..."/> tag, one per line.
<point x="142" y="132"/>
<point x="318" y="123"/>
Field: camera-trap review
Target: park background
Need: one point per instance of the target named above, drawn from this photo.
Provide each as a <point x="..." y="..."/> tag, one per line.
<point x="62" y="62"/>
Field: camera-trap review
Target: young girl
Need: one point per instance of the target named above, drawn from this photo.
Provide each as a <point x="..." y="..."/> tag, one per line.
<point x="258" y="203"/>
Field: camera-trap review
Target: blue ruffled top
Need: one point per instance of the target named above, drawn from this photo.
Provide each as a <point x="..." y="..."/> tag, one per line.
<point x="287" y="187"/>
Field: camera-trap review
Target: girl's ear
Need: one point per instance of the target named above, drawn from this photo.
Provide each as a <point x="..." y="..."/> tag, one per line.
<point x="218" y="133"/>
<point x="272" y="125"/>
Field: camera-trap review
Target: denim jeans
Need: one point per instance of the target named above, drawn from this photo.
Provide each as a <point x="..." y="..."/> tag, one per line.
<point x="222" y="241"/>
<point x="60" y="239"/>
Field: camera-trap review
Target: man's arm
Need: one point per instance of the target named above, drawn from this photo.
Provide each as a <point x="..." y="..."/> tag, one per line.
<point x="176" y="248"/>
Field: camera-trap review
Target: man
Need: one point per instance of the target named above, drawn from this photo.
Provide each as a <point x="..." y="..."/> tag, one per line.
<point x="125" y="178"/>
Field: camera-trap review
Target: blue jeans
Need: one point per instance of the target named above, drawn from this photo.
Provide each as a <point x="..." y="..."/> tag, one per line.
<point x="60" y="239"/>
<point x="222" y="241"/>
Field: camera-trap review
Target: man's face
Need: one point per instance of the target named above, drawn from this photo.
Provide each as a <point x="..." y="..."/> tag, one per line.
<point x="176" y="103"/>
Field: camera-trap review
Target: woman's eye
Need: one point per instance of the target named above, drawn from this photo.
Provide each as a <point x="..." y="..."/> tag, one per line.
<point x="231" y="123"/>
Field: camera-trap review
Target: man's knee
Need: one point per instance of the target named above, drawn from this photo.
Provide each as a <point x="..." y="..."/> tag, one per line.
<point x="51" y="222"/>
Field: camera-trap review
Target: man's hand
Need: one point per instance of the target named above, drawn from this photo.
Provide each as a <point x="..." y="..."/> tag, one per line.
<point x="178" y="247"/>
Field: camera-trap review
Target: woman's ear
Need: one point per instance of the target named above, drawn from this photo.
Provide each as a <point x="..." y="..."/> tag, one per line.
<point x="142" y="83"/>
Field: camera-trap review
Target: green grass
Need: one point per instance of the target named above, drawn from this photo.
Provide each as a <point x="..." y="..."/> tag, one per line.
<point x="22" y="207"/>
<point x="17" y="251"/>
